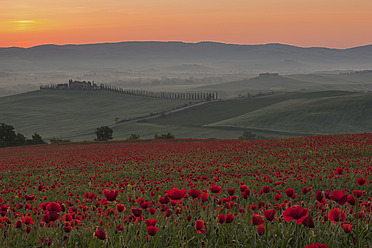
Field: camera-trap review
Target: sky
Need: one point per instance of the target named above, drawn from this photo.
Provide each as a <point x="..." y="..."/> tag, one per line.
<point x="306" y="23"/>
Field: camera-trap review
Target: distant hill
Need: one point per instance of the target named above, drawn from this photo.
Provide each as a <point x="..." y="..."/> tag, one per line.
<point x="150" y="55"/>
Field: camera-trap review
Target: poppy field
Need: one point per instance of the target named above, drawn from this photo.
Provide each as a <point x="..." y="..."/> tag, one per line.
<point x="297" y="192"/>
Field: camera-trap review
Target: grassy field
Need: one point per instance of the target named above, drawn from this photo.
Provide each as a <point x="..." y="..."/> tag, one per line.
<point x="64" y="113"/>
<point x="311" y="115"/>
<point x="281" y="115"/>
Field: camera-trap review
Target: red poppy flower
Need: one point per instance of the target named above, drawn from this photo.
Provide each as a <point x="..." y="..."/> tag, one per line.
<point x="269" y="214"/>
<point x="216" y="189"/>
<point x="277" y="197"/>
<point x="337" y="215"/>
<point x="30" y="197"/>
<point x="266" y="189"/>
<point x="221" y="218"/>
<point x="347" y="227"/>
<point x="319" y="196"/>
<point x="289" y="192"/>
<point x="67" y="229"/>
<point x="361" y="181"/>
<point x="339" y="197"/>
<point x="351" y="200"/>
<point x="194" y="193"/>
<point x="163" y="200"/>
<point x="200" y="226"/>
<point x="257" y="219"/>
<point x="205" y="197"/>
<point x="152" y="211"/>
<point x="308" y="221"/>
<point x="176" y="194"/>
<point x="53" y="206"/>
<point x="339" y="171"/>
<point x="28" y="220"/>
<point x="111" y="194"/>
<point x="229" y="218"/>
<point x="152" y="230"/>
<point x="243" y="188"/>
<point x="67" y="217"/>
<point x="261" y="230"/>
<point x="357" y="193"/>
<point x="120" y="208"/>
<point x="137" y="212"/>
<point x="53" y="215"/>
<point x="230" y="191"/>
<point x="100" y="234"/>
<point x="151" y="222"/>
<point x="295" y="213"/>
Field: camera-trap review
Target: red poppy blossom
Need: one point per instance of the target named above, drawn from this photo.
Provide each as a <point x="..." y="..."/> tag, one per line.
<point x="295" y="213"/>
<point x="229" y="218"/>
<point x="357" y="193"/>
<point x="53" y="206"/>
<point x="269" y="214"/>
<point x="308" y="221"/>
<point x="337" y="215"/>
<point x="289" y="192"/>
<point x="152" y="230"/>
<point x="257" y="219"/>
<point x="230" y="191"/>
<point x="339" y="197"/>
<point x="261" y="230"/>
<point x="152" y="211"/>
<point x="319" y="196"/>
<point x="151" y="222"/>
<point x="347" y="227"/>
<point x="30" y="197"/>
<point x="216" y="189"/>
<point x="120" y="208"/>
<point x="351" y="200"/>
<point x="361" y="181"/>
<point x="111" y="194"/>
<point x="136" y="212"/>
<point x="176" y="194"/>
<point x="221" y="218"/>
<point x="53" y="215"/>
<point x="100" y="234"/>
<point x="194" y="193"/>
<point x="28" y="220"/>
<point x="200" y="226"/>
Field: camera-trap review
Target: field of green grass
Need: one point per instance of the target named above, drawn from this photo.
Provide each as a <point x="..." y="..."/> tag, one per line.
<point x="309" y="114"/>
<point x="64" y="113"/>
<point x="281" y="115"/>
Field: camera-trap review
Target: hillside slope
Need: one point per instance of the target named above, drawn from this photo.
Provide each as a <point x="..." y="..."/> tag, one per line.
<point x="321" y="115"/>
<point x="60" y="113"/>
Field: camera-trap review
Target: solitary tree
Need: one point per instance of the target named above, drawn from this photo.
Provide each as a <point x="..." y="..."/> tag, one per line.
<point x="104" y="133"/>
<point x="8" y="136"/>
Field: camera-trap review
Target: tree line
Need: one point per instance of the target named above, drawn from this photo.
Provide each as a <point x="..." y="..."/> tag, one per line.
<point x="206" y="96"/>
<point x="8" y="137"/>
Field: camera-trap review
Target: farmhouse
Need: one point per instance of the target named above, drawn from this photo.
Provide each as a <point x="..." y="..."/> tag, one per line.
<point x="81" y="85"/>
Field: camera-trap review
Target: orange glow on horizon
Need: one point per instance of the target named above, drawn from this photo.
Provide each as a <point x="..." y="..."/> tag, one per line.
<point x="329" y="23"/>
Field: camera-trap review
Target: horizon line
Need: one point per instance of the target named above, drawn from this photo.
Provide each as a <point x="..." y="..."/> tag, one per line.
<point x="184" y="42"/>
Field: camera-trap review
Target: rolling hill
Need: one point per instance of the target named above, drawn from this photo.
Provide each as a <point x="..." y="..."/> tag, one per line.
<point x="61" y="113"/>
